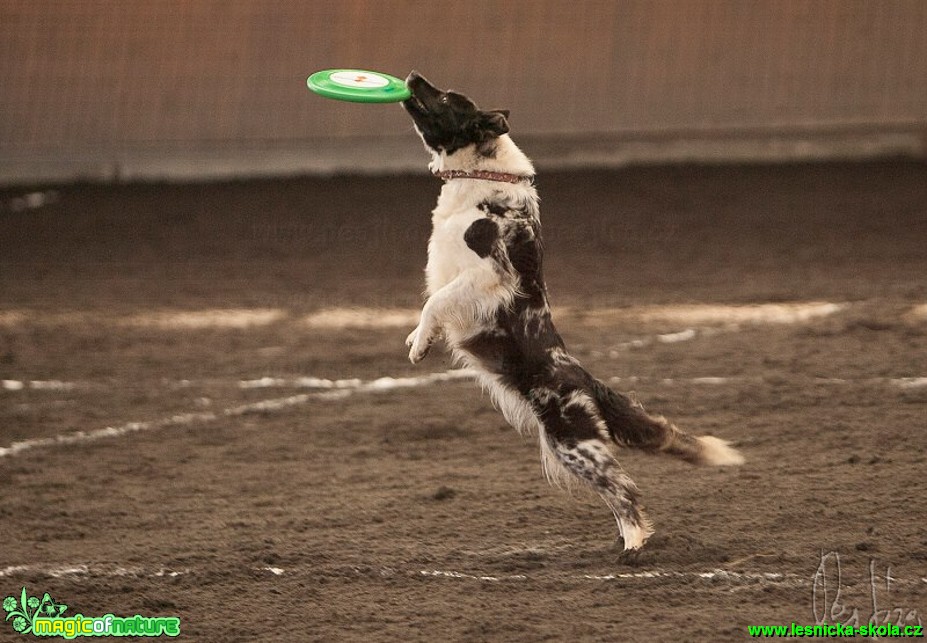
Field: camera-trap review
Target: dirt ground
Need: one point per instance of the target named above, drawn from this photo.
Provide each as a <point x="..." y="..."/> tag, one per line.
<point x="163" y="450"/>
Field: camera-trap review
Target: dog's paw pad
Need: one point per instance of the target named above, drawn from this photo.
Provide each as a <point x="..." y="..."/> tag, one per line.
<point x="418" y="353"/>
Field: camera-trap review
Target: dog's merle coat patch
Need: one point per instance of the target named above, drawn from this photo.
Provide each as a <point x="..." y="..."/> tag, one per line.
<point x="481" y="237"/>
<point x="487" y="298"/>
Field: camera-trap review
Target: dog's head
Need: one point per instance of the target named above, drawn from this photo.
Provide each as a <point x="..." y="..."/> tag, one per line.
<point x="448" y="121"/>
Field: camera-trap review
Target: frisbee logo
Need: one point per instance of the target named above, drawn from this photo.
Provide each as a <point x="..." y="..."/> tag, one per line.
<point x="354" y="79"/>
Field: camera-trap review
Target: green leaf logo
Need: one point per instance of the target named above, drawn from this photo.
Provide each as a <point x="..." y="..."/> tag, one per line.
<point x="26" y="609"/>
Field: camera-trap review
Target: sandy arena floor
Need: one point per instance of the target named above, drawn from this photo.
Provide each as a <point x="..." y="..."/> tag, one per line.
<point x="206" y="409"/>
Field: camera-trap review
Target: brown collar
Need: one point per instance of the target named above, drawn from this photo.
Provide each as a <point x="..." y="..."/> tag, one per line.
<point x="485" y="175"/>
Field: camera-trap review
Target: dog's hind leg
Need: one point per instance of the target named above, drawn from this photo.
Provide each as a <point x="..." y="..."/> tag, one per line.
<point x="574" y="447"/>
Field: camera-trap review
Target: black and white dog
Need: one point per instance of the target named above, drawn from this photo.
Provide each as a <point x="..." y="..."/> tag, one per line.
<point x="487" y="299"/>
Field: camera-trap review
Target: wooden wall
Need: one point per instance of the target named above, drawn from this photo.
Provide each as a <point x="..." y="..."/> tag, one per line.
<point x="101" y="76"/>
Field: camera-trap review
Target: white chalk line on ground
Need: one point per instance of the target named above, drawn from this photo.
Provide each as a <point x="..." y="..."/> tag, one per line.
<point x="688" y="334"/>
<point x="378" y="385"/>
<point x="326" y="389"/>
<point x="724" y="319"/>
<point x="83" y="569"/>
<point x="712" y="576"/>
<point x="353" y="384"/>
<point x="711" y="320"/>
<point x="904" y="383"/>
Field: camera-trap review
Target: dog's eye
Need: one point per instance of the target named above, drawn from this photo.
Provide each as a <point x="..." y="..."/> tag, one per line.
<point x="444" y="99"/>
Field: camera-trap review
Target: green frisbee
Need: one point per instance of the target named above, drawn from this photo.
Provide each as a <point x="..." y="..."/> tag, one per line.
<point x="358" y="86"/>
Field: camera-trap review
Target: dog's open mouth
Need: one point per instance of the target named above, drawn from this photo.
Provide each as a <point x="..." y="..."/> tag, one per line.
<point x="416" y="103"/>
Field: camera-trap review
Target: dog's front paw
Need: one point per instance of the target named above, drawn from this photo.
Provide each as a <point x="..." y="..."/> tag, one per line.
<point x="418" y="343"/>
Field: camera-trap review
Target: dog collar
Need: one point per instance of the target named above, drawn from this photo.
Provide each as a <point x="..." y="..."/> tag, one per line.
<point x="485" y="175"/>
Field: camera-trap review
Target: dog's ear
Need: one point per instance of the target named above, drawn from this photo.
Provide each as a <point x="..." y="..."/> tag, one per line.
<point x="496" y="121"/>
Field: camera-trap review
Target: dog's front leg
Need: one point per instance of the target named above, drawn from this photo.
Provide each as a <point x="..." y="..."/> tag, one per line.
<point x="421" y="339"/>
<point x="471" y="295"/>
<point x="430" y="323"/>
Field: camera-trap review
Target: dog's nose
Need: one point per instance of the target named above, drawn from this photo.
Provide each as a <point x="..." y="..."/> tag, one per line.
<point x="413" y="75"/>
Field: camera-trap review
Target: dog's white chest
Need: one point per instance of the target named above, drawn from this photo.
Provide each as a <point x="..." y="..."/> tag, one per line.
<point x="448" y="253"/>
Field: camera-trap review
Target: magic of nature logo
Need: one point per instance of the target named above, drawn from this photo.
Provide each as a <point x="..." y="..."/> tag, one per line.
<point x="45" y="617"/>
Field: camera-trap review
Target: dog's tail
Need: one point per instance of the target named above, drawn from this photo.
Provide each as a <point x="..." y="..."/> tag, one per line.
<point x="631" y="426"/>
